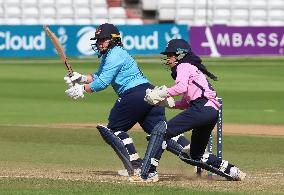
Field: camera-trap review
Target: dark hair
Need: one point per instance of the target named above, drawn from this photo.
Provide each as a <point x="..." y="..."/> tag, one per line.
<point x="196" y="61"/>
<point x="116" y="41"/>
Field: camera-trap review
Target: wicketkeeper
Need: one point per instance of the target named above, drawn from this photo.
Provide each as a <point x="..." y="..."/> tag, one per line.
<point x="200" y="113"/>
<point x="118" y="69"/>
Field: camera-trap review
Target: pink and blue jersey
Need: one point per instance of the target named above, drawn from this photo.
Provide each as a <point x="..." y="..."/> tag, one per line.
<point x="191" y="84"/>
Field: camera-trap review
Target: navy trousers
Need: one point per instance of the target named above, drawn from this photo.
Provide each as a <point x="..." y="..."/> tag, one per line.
<point x="198" y="118"/>
<point x="131" y="108"/>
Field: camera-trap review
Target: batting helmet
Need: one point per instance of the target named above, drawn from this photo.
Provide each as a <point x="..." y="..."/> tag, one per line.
<point x="106" y="30"/>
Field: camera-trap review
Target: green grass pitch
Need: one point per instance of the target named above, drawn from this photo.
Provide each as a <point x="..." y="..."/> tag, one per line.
<point x="32" y="99"/>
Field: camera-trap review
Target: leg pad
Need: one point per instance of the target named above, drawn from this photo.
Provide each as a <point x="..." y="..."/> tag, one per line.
<point x="154" y="146"/>
<point x="118" y="147"/>
<point x="184" y="156"/>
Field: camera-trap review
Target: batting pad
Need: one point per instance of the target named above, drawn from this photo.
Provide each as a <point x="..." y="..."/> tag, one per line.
<point x="154" y="145"/>
<point x="118" y="146"/>
<point x="184" y="157"/>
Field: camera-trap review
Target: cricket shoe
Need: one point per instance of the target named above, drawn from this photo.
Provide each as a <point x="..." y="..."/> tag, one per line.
<point x="237" y="174"/>
<point x="152" y="177"/>
<point x="124" y="172"/>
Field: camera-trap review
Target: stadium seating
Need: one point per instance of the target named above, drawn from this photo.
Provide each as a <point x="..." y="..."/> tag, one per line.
<point x="30" y="12"/>
<point x="259" y="4"/>
<point x="1" y="12"/>
<point x="83" y="12"/>
<point x="47" y="20"/>
<point x="79" y="3"/>
<point x="240" y="4"/>
<point x="13" y="11"/>
<point x="27" y="3"/>
<point x="191" y="12"/>
<point x="64" y="2"/>
<point x="47" y="11"/>
<point x="258" y="17"/>
<point x="219" y="4"/>
<point x="276" y="4"/>
<point x="276" y="17"/>
<point x="221" y="15"/>
<point x="149" y="5"/>
<point x="43" y="3"/>
<point x="117" y="13"/>
<point x="185" y="16"/>
<point x="100" y="12"/>
<point x="98" y="3"/>
<point x="167" y="10"/>
<point x="240" y="17"/>
<point x="13" y="2"/>
<point x="134" y="21"/>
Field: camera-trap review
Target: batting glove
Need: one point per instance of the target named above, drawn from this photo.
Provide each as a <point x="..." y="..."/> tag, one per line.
<point x="79" y="78"/>
<point x="156" y="95"/>
<point x="68" y="81"/>
<point x="76" y="91"/>
<point x="76" y="78"/>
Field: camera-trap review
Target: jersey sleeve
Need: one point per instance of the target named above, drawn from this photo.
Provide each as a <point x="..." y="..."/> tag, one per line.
<point x="110" y="67"/>
<point x="181" y="83"/>
<point x="181" y="104"/>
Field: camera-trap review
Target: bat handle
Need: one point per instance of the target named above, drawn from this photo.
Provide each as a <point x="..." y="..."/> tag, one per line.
<point x="69" y="69"/>
<point x="70" y="73"/>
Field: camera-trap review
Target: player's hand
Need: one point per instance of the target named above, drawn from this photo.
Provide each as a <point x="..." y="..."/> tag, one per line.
<point x="156" y="95"/>
<point x="79" y="78"/>
<point x="68" y="81"/>
<point x="76" y="91"/>
<point x="168" y="102"/>
<point x="76" y="78"/>
<point x="150" y="90"/>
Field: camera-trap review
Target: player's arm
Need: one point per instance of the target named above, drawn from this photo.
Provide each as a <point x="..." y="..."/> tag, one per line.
<point x="109" y="70"/>
<point x="90" y="79"/>
<point x="159" y="94"/>
<point x="181" y="104"/>
<point x="181" y="81"/>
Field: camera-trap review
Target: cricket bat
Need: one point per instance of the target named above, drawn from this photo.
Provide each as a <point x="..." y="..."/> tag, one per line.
<point x="59" y="49"/>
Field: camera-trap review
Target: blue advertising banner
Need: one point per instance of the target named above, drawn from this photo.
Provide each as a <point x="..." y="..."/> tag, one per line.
<point x="31" y="40"/>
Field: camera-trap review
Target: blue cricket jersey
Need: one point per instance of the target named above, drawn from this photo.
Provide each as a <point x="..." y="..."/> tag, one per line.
<point x="118" y="69"/>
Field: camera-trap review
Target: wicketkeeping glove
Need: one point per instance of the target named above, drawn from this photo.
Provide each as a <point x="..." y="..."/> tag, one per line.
<point x="156" y="95"/>
<point x="76" y="91"/>
<point x="168" y="102"/>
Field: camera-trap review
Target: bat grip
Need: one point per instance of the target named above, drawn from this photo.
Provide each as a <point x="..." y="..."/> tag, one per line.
<point x="69" y="69"/>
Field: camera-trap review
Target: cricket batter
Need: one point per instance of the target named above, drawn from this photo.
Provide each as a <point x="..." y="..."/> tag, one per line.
<point x="118" y="69"/>
<point x="200" y="112"/>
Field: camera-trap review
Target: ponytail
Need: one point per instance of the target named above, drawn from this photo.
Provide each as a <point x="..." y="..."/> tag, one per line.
<point x="196" y="61"/>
